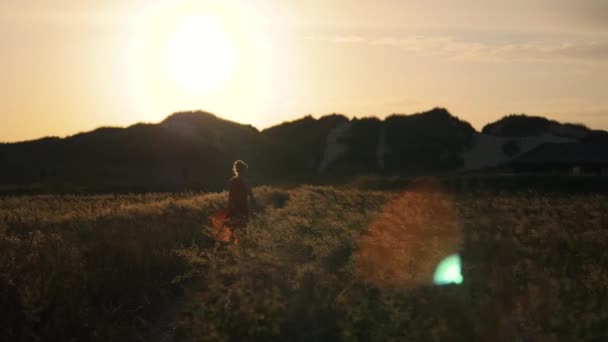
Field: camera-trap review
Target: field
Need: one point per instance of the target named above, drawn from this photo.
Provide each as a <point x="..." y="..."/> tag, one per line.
<point x="315" y="263"/>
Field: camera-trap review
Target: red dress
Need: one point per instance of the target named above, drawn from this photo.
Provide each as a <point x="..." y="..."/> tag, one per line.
<point x="238" y="203"/>
<point x="235" y="216"/>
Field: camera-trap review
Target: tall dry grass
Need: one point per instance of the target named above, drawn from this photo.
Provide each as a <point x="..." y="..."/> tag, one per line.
<point x="357" y="265"/>
<point x="315" y="263"/>
<point x="93" y="267"/>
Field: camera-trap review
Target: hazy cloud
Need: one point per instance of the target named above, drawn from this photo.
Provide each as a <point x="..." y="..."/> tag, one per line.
<point x="451" y="47"/>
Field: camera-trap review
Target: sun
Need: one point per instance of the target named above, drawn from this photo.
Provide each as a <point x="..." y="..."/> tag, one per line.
<point x="199" y="55"/>
<point x="213" y="55"/>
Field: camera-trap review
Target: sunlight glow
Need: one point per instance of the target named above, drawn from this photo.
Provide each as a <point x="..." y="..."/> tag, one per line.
<point x="210" y="55"/>
<point x="200" y="56"/>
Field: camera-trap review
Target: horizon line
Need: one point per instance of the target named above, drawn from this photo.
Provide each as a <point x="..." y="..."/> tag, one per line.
<point x="314" y="116"/>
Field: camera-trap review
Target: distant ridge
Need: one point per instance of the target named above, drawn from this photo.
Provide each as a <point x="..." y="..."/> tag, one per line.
<point x="194" y="150"/>
<point x="521" y="125"/>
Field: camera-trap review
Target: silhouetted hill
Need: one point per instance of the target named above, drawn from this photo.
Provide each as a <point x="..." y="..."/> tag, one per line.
<point x="523" y="125"/>
<point x="191" y="148"/>
<point x="420" y="143"/>
<point x="432" y="140"/>
<point x="596" y="137"/>
<point x="301" y="144"/>
<point x="358" y="146"/>
<point x="505" y="141"/>
<point x="194" y="150"/>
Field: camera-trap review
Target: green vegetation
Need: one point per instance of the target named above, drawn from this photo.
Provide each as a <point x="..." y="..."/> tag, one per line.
<point x="316" y="263"/>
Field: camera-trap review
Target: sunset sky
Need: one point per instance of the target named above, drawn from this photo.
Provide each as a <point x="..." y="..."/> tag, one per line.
<point x="71" y="66"/>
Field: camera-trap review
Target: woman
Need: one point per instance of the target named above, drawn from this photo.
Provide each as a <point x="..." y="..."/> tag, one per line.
<point x="239" y="196"/>
<point x="236" y="216"/>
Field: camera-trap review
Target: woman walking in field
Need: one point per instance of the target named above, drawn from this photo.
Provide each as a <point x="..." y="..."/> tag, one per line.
<point x="236" y="216"/>
<point x="239" y="196"/>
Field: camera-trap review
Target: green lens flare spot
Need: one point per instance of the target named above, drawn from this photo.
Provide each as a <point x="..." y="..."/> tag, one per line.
<point x="448" y="271"/>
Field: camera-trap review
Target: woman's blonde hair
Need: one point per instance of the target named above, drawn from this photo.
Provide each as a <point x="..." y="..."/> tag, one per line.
<point x="238" y="166"/>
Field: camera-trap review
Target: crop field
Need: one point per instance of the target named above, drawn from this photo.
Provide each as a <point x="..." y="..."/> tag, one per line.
<point x="315" y="263"/>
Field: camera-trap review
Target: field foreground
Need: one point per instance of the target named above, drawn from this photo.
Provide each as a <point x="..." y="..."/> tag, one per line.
<point x="315" y="263"/>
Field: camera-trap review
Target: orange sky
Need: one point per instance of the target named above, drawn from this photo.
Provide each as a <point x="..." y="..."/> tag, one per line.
<point x="71" y="66"/>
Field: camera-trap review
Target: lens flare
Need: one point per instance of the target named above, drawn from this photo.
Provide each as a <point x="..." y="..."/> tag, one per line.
<point x="409" y="238"/>
<point x="448" y="271"/>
